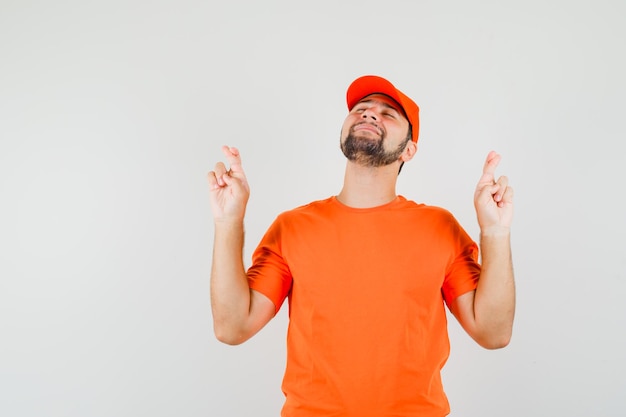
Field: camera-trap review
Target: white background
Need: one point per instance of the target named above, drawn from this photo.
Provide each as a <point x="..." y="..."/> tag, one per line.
<point x="112" y="113"/>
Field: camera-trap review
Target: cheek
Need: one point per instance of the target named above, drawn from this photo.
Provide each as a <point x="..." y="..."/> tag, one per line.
<point x="345" y="129"/>
<point x="401" y="131"/>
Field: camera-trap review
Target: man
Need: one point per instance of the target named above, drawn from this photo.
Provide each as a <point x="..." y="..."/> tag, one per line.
<point x="367" y="273"/>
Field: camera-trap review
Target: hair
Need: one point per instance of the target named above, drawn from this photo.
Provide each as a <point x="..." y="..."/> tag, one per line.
<point x="409" y="137"/>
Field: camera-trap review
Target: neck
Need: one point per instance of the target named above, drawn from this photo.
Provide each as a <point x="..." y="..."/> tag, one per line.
<point x="365" y="187"/>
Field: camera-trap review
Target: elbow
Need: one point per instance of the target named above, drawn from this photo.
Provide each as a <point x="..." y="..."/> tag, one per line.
<point x="228" y="336"/>
<point x="494" y="345"/>
<point x="228" y="339"/>
<point x="493" y="334"/>
<point x="231" y="333"/>
<point x="495" y="342"/>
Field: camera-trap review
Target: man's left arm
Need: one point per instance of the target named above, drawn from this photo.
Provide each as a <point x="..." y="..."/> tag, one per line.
<point x="487" y="312"/>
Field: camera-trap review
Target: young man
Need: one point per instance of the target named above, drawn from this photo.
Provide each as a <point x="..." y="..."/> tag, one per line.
<point x="367" y="273"/>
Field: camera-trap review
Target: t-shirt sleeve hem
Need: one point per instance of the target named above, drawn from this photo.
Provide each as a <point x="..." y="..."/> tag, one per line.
<point x="274" y="298"/>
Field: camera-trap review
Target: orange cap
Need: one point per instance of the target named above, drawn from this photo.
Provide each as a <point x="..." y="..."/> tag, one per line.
<point x="372" y="84"/>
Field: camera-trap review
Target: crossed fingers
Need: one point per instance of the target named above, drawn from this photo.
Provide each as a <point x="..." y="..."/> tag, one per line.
<point x="499" y="189"/>
<point x="220" y="175"/>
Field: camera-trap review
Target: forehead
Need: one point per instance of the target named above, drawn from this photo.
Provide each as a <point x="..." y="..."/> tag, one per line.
<point x="383" y="99"/>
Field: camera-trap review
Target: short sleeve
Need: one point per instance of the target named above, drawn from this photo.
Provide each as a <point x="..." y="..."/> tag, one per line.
<point x="269" y="274"/>
<point x="464" y="270"/>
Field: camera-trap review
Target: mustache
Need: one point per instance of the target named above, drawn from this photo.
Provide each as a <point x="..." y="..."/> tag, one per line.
<point x="378" y="128"/>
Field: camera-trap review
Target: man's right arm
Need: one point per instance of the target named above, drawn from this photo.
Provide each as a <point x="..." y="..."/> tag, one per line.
<point x="238" y="311"/>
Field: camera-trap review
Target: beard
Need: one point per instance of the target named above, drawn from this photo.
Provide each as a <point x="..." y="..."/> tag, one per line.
<point x="369" y="152"/>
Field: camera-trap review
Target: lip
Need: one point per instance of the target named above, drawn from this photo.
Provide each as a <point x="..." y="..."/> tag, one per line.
<point x="366" y="126"/>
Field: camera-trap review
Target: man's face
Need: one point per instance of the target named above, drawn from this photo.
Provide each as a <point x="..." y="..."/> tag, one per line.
<point x="374" y="132"/>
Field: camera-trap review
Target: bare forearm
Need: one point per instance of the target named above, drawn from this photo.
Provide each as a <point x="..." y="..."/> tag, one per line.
<point x="494" y="302"/>
<point x="230" y="292"/>
<point x="238" y="312"/>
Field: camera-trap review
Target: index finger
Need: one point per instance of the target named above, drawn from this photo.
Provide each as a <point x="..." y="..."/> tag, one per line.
<point x="233" y="157"/>
<point x="489" y="169"/>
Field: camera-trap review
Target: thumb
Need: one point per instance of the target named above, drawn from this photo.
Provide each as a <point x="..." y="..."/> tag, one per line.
<point x="487" y="192"/>
<point x="232" y="182"/>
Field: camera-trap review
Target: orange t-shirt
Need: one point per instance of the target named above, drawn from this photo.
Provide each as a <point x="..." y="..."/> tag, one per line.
<point x="367" y="325"/>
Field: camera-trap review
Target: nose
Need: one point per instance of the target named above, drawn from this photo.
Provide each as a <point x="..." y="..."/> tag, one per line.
<point x="368" y="113"/>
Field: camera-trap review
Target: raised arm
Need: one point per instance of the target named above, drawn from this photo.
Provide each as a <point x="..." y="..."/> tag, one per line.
<point x="238" y="311"/>
<point x="487" y="313"/>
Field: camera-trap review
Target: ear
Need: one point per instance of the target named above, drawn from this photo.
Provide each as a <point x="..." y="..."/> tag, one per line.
<point x="409" y="151"/>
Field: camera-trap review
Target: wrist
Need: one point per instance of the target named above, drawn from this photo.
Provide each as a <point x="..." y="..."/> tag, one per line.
<point x="495" y="232"/>
<point x="228" y="223"/>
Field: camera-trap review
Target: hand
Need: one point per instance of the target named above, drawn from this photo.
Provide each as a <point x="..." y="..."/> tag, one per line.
<point x="493" y="199"/>
<point x="229" y="190"/>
